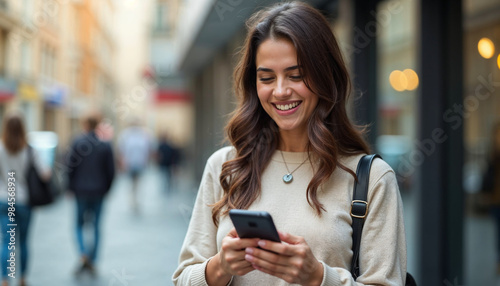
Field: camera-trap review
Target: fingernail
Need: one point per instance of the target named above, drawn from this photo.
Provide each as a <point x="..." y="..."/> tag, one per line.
<point x="261" y="243"/>
<point x="248" y="257"/>
<point x="249" y="250"/>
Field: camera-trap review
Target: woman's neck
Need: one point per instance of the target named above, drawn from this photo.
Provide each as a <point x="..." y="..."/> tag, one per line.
<point x="293" y="141"/>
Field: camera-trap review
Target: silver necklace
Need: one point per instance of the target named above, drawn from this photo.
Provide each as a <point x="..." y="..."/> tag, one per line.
<point x="288" y="178"/>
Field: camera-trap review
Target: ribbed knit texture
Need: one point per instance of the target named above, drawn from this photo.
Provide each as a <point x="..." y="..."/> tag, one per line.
<point x="383" y="246"/>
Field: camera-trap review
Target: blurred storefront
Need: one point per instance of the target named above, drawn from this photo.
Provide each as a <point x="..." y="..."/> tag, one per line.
<point x="479" y="112"/>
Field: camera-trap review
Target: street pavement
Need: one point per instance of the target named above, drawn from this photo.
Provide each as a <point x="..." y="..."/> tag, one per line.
<point x="137" y="248"/>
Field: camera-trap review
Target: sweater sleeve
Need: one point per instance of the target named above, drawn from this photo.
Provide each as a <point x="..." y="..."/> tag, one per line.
<point x="383" y="245"/>
<point x="200" y="243"/>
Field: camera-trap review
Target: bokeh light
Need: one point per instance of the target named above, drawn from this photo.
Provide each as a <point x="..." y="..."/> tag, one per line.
<point x="411" y="78"/>
<point x="486" y="48"/>
<point x="398" y="80"/>
<point x="404" y="80"/>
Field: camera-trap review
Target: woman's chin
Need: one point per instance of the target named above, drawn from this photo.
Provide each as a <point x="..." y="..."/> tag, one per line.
<point x="291" y="127"/>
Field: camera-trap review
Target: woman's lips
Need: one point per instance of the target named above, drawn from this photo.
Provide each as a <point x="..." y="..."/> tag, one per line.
<point x="287" y="108"/>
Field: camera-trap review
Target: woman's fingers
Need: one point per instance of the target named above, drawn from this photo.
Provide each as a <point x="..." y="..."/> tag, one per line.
<point x="292" y="260"/>
<point x="241" y="267"/>
<point x="277" y="247"/>
<point x="289" y="238"/>
<point x="267" y="260"/>
<point x="274" y="264"/>
<point x="237" y="244"/>
<point x="265" y="255"/>
<point x="232" y="254"/>
<point x="269" y="267"/>
<point x="232" y="233"/>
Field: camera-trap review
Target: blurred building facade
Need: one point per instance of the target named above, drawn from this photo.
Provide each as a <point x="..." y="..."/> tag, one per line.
<point x="149" y="87"/>
<point x="56" y="61"/>
<point x="429" y="95"/>
<point x="132" y="59"/>
<point x="172" y="103"/>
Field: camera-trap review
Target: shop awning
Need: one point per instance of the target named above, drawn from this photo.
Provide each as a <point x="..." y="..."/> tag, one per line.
<point x="8" y="89"/>
<point x="163" y="95"/>
<point x="28" y="92"/>
<point x="54" y="95"/>
<point x="216" y="27"/>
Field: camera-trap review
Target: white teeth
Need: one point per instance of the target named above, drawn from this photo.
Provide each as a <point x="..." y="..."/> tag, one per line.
<point x="287" y="106"/>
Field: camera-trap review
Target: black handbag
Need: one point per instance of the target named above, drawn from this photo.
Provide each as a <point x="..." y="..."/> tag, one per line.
<point x="359" y="210"/>
<point x="40" y="191"/>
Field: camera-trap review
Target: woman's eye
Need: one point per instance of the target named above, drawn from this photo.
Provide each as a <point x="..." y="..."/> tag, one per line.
<point x="264" y="79"/>
<point x="296" y="77"/>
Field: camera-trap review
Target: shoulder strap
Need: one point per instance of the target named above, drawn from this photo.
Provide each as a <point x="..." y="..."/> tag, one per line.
<point x="359" y="207"/>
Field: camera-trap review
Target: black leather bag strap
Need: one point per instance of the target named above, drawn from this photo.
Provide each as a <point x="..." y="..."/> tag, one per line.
<point x="359" y="207"/>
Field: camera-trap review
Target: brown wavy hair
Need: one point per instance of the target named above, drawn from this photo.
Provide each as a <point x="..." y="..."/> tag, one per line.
<point x="13" y="135"/>
<point x="255" y="135"/>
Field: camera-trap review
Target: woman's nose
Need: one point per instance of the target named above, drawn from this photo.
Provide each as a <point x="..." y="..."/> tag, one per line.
<point x="281" y="89"/>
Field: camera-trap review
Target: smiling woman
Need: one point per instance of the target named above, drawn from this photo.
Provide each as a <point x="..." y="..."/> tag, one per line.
<point x="293" y="154"/>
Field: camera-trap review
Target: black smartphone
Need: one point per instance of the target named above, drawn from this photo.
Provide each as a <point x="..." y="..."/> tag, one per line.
<point x="254" y="224"/>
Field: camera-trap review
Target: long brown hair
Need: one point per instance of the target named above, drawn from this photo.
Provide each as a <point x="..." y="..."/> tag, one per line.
<point x="255" y="135"/>
<point x="13" y="135"/>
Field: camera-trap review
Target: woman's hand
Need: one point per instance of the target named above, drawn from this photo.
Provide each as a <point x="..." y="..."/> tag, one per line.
<point x="292" y="261"/>
<point x="230" y="260"/>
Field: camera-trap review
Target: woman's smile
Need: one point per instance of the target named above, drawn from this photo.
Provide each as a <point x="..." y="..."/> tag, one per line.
<point x="287" y="107"/>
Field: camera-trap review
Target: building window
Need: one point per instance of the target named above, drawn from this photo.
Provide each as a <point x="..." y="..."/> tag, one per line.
<point x="161" y="21"/>
<point x="25" y="59"/>
<point x="27" y="11"/>
<point x="3" y="46"/>
<point x="397" y="84"/>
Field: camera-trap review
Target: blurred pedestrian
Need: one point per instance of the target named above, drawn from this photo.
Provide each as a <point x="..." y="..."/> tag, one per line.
<point x="168" y="159"/>
<point x="14" y="162"/>
<point x="91" y="170"/>
<point x="135" y="147"/>
<point x="105" y="130"/>
<point x="294" y="154"/>
<point x="491" y="184"/>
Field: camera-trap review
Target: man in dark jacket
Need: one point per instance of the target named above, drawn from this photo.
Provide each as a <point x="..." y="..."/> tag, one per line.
<point x="91" y="169"/>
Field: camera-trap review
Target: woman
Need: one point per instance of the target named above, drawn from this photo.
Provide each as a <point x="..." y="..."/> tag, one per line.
<point x="294" y="154"/>
<point x="14" y="162"/>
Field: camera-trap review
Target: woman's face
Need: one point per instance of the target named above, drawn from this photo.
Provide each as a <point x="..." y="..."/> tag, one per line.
<point x="280" y="86"/>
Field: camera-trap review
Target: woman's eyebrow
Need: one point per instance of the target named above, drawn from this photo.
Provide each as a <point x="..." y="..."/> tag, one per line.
<point x="264" y="69"/>
<point x="270" y="70"/>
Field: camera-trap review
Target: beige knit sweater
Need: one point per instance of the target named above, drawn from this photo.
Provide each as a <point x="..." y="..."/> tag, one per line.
<point x="383" y="245"/>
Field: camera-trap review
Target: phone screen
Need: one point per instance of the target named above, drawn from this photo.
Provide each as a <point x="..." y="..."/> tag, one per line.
<point x="254" y="224"/>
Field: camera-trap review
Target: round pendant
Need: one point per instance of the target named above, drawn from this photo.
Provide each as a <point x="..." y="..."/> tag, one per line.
<point x="287" y="178"/>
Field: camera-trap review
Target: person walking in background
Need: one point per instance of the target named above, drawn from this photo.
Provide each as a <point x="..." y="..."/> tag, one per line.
<point x="105" y="130"/>
<point x="91" y="169"/>
<point x="15" y="158"/>
<point x="135" y="147"/>
<point x="491" y="185"/>
<point x="168" y="158"/>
